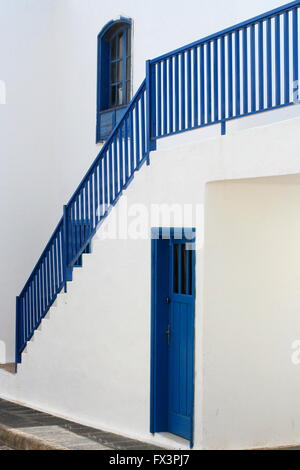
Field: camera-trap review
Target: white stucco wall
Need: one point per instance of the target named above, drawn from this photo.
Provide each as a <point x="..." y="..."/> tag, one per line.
<point x="91" y="360"/>
<point x="48" y="51"/>
<point x="251" y="313"/>
<point x="29" y="201"/>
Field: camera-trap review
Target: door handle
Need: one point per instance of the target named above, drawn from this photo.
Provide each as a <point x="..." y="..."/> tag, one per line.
<point x="168" y="333"/>
<point x="168" y="300"/>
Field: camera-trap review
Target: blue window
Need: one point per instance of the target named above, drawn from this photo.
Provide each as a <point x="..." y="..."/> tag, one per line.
<point x="114" y="75"/>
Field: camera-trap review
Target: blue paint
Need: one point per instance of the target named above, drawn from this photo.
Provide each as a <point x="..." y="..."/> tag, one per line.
<point x="209" y="84"/>
<point x="223" y="85"/>
<point x="126" y="156"/>
<point x="278" y="60"/>
<point x="287" y="84"/>
<point x="109" y="109"/>
<point x="170" y="95"/>
<point x="107" y="120"/>
<point x="183" y="90"/>
<point x="173" y="327"/>
<point x="237" y="74"/>
<point x="216" y="80"/>
<point x="230" y="77"/>
<point x="165" y="98"/>
<point x="253" y="69"/>
<point x="295" y="46"/>
<point x="176" y="66"/>
<point x="159" y="94"/>
<point x="269" y="63"/>
<point x="245" y="71"/>
<point x="195" y="73"/>
<point x="150" y="109"/>
<point x="261" y="66"/>
<point x="202" y="87"/>
<point x="189" y="90"/>
<point x="18" y="330"/>
<point x="159" y="379"/>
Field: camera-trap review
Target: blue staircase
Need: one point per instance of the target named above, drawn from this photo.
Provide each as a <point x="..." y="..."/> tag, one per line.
<point x="247" y="69"/>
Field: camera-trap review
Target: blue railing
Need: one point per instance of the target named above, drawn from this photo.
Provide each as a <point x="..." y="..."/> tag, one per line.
<point x="41" y="289"/>
<point x="121" y="156"/>
<point x="250" y="68"/>
<point x="246" y="69"/>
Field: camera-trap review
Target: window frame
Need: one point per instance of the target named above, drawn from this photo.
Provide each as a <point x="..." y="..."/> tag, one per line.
<point x="105" y="109"/>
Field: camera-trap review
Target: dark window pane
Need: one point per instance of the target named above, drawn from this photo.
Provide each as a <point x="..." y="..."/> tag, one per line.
<point x="183" y="270"/>
<point x="128" y="68"/>
<point x="120" y="71"/>
<point x="128" y="92"/>
<point x="116" y="72"/>
<point x="121" y="45"/>
<point x="113" y="73"/>
<point x="190" y="254"/>
<point x="175" y="268"/>
<point x="113" y="96"/>
<point x="128" y="48"/>
<point x="113" y="48"/>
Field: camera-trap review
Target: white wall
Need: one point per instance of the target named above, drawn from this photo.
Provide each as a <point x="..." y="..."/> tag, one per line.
<point x="29" y="203"/>
<point x="91" y="360"/>
<point x="48" y="55"/>
<point x="251" y="305"/>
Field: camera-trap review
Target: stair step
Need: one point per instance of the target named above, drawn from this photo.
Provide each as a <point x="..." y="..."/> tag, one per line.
<point x="10" y="367"/>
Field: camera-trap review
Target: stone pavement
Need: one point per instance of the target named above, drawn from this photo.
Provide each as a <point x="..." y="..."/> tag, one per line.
<point x="57" y="431"/>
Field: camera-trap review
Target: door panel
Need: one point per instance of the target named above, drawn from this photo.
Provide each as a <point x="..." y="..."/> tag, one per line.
<point x="181" y="342"/>
<point x="172" y="359"/>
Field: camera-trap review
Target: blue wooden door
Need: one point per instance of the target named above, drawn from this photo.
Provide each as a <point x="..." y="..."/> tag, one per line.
<point x="180" y="338"/>
<point x="172" y="338"/>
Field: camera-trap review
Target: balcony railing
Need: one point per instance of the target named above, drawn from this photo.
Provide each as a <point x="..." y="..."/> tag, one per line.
<point x="246" y="69"/>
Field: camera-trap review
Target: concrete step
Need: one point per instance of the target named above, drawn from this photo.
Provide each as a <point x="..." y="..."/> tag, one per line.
<point x="23" y="428"/>
<point x="11" y="367"/>
<point x="19" y="440"/>
<point x="46" y="438"/>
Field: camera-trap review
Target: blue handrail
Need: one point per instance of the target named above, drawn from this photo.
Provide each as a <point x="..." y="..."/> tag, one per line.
<point x="40" y="291"/>
<point x="121" y="156"/>
<point x="247" y="69"/>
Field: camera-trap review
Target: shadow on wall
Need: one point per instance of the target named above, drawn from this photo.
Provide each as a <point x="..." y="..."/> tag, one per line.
<point x="2" y="352"/>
